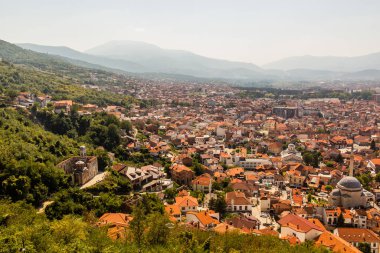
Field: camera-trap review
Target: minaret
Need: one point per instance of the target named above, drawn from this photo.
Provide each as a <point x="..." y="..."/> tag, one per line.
<point x="352" y="159"/>
<point x="352" y="164"/>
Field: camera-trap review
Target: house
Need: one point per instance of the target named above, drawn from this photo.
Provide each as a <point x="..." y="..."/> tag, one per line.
<point x="117" y="224"/>
<point x="237" y="172"/>
<point x="291" y="155"/>
<point x="355" y="236"/>
<point x="63" y="106"/>
<point x="44" y="100"/>
<point x="174" y="212"/>
<point x="238" y="202"/>
<point x="265" y="204"/>
<point x="136" y="176"/>
<point x="295" y="178"/>
<point x="202" y="183"/>
<point x="25" y="99"/>
<point x="247" y="187"/>
<point x="182" y="174"/>
<point x="294" y="225"/>
<point x="265" y="231"/>
<point x="373" y="220"/>
<point x="330" y="215"/>
<point x="335" y="243"/>
<point x="282" y="206"/>
<point x="374" y="164"/>
<point x="223" y="228"/>
<point x="89" y="108"/>
<point x="119" y="219"/>
<point x="241" y="222"/>
<point x="186" y="203"/>
<point x="203" y="219"/>
<point x="252" y="164"/>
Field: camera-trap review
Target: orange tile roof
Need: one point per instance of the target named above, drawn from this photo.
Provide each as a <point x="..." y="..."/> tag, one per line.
<point x="318" y="223"/>
<point x="265" y="231"/>
<point x="223" y="228"/>
<point x="63" y="103"/>
<point x="234" y="171"/>
<point x="204" y="218"/>
<point x="183" y="193"/>
<point x="120" y="219"/>
<point x="376" y="161"/>
<point x="298" y="223"/>
<point x="180" y="167"/>
<point x="358" y="235"/>
<point x="186" y="201"/>
<point x="335" y="243"/>
<point x="173" y="210"/>
<point x="204" y="180"/>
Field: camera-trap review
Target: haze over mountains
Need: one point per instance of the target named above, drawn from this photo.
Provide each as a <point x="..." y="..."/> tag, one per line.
<point x="330" y="63"/>
<point x="141" y="57"/>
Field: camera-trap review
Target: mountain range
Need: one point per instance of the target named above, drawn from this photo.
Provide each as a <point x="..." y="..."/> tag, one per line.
<point x="141" y="57"/>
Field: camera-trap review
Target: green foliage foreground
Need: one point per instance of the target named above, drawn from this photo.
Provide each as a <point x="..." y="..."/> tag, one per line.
<point x="28" y="156"/>
<point x="22" y="228"/>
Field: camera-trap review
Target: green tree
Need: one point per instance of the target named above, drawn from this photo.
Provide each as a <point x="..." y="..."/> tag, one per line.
<point x="197" y="167"/>
<point x="17" y="187"/>
<point x="103" y="159"/>
<point x="340" y="221"/>
<point x="113" y="137"/>
<point x="328" y="188"/>
<point x="219" y="205"/>
<point x="138" y="225"/>
<point x="157" y="232"/>
<point x="373" y="145"/>
<point x="364" y="247"/>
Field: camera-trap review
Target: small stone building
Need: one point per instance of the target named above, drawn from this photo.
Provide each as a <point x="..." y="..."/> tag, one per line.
<point x="81" y="168"/>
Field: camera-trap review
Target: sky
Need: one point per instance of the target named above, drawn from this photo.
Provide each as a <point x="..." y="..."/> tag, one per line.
<point x="243" y="30"/>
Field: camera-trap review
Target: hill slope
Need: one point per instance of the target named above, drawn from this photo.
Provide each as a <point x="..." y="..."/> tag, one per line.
<point x="76" y="55"/>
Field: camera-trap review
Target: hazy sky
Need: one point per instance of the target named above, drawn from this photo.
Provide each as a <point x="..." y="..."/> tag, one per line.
<point x="251" y="31"/>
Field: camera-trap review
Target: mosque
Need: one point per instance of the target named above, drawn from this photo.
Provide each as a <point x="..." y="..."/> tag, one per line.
<point x="349" y="192"/>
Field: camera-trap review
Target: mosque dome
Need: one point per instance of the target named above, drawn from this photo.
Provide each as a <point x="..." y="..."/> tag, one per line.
<point x="349" y="183"/>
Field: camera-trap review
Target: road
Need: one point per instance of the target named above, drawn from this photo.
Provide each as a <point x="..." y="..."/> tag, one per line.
<point x="98" y="178"/>
<point x="44" y="205"/>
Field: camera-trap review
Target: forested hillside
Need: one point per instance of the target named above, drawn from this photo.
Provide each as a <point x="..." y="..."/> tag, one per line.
<point x="24" y="230"/>
<point x="28" y="156"/>
<point x="15" y="78"/>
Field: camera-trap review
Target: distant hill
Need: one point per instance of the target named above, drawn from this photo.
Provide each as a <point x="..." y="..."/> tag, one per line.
<point x="151" y="61"/>
<point x="157" y="59"/>
<point x="47" y="62"/>
<point x="76" y="55"/>
<point x="328" y="63"/>
<point x="140" y="57"/>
